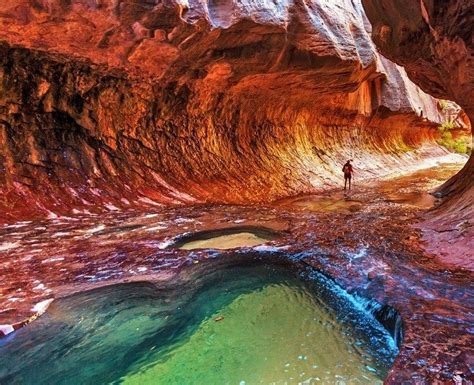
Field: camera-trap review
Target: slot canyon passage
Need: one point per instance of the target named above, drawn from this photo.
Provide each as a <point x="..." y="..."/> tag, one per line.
<point x="171" y="192"/>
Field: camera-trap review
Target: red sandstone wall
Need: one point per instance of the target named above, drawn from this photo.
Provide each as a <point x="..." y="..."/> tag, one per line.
<point x="112" y="104"/>
<point x="433" y="40"/>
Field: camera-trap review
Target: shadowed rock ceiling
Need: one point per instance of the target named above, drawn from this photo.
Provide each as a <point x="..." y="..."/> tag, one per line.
<point x="109" y="104"/>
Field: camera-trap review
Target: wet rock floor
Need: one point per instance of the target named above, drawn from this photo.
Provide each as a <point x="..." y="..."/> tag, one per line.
<point x="365" y="241"/>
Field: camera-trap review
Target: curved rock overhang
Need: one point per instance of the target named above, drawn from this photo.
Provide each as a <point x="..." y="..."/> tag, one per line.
<point x="433" y="40"/>
<point x="108" y="104"/>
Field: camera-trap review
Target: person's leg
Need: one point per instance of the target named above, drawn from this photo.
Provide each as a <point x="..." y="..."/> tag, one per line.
<point x="345" y="183"/>
<point x="350" y="180"/>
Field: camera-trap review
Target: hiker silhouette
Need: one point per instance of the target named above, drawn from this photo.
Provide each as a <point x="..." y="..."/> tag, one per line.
<point x="348" y="171"/>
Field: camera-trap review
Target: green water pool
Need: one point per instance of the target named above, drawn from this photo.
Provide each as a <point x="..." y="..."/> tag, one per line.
<point x="235" y="325"/>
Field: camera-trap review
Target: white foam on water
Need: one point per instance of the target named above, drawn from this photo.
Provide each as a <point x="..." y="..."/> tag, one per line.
<point x="359" y="303"/>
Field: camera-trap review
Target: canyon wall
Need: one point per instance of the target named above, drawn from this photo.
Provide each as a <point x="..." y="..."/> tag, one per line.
<point x="433" y="40"/>
<point x="111" y="104"/>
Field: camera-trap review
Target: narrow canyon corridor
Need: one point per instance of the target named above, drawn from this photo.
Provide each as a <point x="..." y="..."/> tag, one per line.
<point x="172" y="202"/>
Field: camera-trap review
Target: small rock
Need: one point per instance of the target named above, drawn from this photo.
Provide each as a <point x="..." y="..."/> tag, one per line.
<point x="371" y="275"/>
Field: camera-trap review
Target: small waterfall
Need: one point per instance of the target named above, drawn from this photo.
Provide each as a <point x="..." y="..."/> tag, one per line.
<point x="388" y="316"/>
<point x="385" y="314"/>
<point x="392" y="321"/>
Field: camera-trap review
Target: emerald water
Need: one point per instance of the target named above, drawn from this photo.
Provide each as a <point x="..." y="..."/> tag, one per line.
<point x="235" y="325"/>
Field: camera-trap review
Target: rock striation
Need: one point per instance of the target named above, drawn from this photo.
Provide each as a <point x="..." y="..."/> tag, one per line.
<point x="110" y="104"/>
<point x="433" y="40"/>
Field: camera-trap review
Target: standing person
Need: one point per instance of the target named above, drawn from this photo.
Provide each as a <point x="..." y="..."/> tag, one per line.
<point x="347" y="170"/>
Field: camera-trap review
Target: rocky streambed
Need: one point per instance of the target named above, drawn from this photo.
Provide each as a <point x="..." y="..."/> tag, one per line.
<point x="366" y="244"/>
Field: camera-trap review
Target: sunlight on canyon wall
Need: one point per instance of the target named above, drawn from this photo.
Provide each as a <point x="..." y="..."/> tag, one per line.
<point x="110" y="104"/>
<point x="433" y="41"/>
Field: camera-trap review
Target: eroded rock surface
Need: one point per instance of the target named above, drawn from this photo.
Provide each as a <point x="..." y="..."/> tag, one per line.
<point x="372" y="252"/>
<point x="107" y="105"/>
<point x="136" y="103"/>
<point x="434" y="42"/>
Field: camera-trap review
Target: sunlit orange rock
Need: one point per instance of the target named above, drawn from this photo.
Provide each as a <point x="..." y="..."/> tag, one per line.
<point x="433" y="40"/>
<point x="118" y="104"/>
<point x="108" y="104"/>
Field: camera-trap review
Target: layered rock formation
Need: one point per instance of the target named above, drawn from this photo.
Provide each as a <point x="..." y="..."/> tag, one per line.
<point x="109" y="104"/>
<point x="433" y="40"/>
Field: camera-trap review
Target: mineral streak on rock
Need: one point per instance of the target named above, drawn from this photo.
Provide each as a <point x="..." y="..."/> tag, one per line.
<point x="434" y="42"/>
<point x="111" y="104"/>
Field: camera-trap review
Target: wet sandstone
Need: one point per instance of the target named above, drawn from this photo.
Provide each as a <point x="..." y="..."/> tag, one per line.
<point x="372" y="253"/>
<point x="433" y="41"/>
<point x="133" y="111"/>
<point x="163" y="97"/>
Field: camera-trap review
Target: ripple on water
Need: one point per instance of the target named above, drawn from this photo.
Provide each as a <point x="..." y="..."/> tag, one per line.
<point x="252" y="325"/>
